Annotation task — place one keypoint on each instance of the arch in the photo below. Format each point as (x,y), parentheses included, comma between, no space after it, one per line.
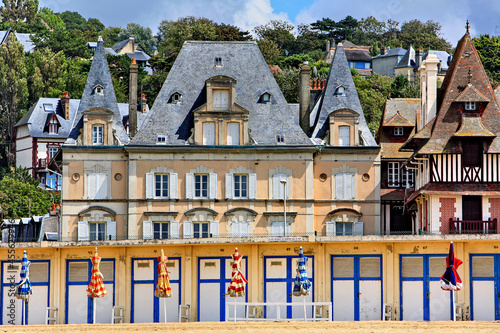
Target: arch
(345,210)
(236,209)
(175,98)
(340,91)
(98,90)
(193,211)
(94,208)
(265,98)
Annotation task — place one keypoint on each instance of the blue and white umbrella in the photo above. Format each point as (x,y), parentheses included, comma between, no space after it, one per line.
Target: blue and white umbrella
(23,289)
(302,285)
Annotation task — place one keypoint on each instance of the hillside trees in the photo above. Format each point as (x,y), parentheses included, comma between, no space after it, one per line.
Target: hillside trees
(489,52)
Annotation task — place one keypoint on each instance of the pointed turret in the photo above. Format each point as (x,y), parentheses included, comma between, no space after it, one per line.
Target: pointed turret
(99,93)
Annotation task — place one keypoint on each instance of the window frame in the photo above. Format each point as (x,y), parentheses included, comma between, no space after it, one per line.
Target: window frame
(53,126)
(94,235)
(240,183)
(470,106)
(164,185)
(393,174)
(198,192)
(344,232)
(280,139)
(407,178)
(218,62)
(200,233)
(343,128)
(52,151)
(161,138)
(164,227)
(398,131)
(97,138)
(345,177)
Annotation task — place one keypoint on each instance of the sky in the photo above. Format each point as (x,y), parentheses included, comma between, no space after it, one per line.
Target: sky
(484,15)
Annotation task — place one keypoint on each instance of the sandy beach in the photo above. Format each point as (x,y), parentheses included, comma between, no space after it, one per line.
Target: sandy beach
(373,326)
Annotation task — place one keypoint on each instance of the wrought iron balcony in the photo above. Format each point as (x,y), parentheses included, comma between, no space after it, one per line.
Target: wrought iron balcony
(473,227)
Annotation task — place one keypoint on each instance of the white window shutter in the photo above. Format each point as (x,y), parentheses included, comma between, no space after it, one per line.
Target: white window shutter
(91,185)
(349,179)
(229,185)
(330,228)
(83,231)
(235,229)
(189,185)
(150,185)
(339,186)
(173,186)
(102,186)
(214,228)
(111,230)
(252,185)
(358,228)
(276,186)
(275,229)
(174,229)
(212,187)
(245,229)
(187,229)
(147,230)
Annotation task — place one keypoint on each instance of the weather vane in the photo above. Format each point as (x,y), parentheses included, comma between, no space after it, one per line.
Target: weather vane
(467,26)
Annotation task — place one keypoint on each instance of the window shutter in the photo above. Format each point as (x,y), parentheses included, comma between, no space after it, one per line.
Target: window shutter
(102,186)
(229,185)
(252,185)
(277,229)
(245,229)
(174,229)
(147,230)
(83,231)
(150,187)
(287,229)
(173,186)
(235,229)
(187,229)
(189,185)
(91,188)
(111,230)
(330,228)
(213,186)
(358,228)
(339,186)
(214,228)
(349,183)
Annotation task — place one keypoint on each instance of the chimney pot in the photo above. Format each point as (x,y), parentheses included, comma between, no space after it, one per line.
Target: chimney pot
(134,61)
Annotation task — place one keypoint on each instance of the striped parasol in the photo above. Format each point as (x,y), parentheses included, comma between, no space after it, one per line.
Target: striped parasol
(24,290)
(301,285)
(237,285)
(96,287)
(450,279)
(163,288)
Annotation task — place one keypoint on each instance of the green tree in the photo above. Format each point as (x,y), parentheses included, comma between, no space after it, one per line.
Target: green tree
(424,35)
(269,50)
(343,29)
(227,32)
(288,81)
(20,198)
(402,88)
(110,35)
(53,20)
(142,35)
(280,33)
(309,42)
(62,40)
(19,10)
(372,93)
(13,91)
(488,49)
(76,76)
(73,20)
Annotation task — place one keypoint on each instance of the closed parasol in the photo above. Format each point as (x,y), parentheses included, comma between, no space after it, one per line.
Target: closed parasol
(96,287)
(23,289)
(302,285)
(451,280)
(163,289)
(237,285)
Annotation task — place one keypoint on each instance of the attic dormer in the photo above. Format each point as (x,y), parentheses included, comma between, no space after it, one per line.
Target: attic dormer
(344,128)
(471,101)
(221,91)
(52,124)
(98,90)
(265,98)
(340,91)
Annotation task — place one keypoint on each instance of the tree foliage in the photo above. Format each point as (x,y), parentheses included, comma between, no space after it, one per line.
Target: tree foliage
(19,10)
(142,35)
(288,81)
(402,88)
(488,49)
(63,40)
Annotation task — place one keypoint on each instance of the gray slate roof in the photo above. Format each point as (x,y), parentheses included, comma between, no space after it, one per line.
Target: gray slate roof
(339,75)
(241,61)
(443,57)
(408,59)
(392,52)
(24,39)
(99,75)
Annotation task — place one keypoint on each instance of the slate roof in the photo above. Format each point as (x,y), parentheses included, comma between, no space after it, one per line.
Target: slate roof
(120,45)
(99,75)
(24,39)
(36,117)
(472,127)
(339,75)
(443,57)
(243,62)
(407,108)
(408,59)
(399,51)
(466,68)
(352,51)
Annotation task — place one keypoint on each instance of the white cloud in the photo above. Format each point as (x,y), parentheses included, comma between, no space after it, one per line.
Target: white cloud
(255,13)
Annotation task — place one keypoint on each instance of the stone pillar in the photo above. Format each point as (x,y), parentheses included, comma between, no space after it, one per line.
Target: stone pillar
(305,96)
(132,99)
(428,86)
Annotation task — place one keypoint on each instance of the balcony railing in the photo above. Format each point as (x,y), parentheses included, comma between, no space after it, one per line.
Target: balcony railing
(473,227)
(42,164)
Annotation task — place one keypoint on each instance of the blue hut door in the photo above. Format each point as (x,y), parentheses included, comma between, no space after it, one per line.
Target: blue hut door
(485,286)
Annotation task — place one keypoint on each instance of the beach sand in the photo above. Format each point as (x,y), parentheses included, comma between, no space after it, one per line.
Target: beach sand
(281,327)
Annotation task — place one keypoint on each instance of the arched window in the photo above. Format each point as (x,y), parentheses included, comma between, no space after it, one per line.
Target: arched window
(53,126)
(340,91)
(99,90)
(265,98)
(175,98)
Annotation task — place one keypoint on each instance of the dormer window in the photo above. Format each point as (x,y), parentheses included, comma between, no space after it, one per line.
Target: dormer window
(161,138)
(220,100)
(265,98)
(218,61)
(97,135)
(99,90)
(175,98)
(53,126)
(280,138)
(470,106)
(398,131)
(48,107)
(340,91)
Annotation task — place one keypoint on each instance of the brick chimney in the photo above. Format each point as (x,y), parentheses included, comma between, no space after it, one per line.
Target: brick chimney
(382,50)
(132,99)
(418,58)
(144,103)
(305,96)
(65,104)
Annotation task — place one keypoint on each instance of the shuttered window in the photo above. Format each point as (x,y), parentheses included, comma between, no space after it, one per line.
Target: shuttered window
(344,183)
(233,134)
(281,184)
(107,269)
(97,185)
(220,100)
(483,266)
(413,266)
(39,272)
(343,267)
(436,266)
(369,267)
(208,134)
(78,272)
(344,136)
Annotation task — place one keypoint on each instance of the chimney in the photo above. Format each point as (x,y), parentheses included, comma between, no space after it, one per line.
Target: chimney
(132,99)
(144,103)
(327,45)
(418,58)
(382,50)
(132,43)
(428,89)
(65,104)
(305,96)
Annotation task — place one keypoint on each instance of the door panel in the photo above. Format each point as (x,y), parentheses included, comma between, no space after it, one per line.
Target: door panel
(370,300)
(439,302)
(143,303)
(343,304)
(484,300)
(414,309)
(210,298)
(77,304)
(485,286)
(276,292)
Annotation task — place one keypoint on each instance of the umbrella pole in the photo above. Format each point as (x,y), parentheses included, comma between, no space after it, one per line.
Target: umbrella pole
(165,308)
(305,313)
(23,318)
(453,305)
(235,309)
(94,309)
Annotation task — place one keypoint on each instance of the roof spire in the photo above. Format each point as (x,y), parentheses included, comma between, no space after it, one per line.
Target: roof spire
(467,27)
